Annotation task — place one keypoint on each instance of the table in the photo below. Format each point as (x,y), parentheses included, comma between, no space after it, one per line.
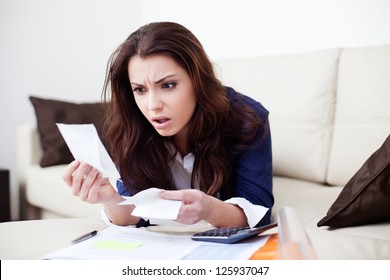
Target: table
(32,239)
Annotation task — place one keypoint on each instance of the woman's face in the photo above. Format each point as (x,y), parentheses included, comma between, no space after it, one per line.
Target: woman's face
(164,93)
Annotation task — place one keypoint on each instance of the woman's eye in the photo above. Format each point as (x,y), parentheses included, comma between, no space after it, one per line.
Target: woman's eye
(169,85)
(138,90)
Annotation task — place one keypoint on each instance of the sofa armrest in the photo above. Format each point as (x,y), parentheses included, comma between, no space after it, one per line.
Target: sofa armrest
(29,149)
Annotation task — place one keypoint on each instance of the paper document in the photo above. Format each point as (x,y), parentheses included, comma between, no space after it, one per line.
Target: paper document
(117,242)
(148,204)
(85,145)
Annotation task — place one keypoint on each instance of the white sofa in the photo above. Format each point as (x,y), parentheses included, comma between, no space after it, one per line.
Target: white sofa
(329,111)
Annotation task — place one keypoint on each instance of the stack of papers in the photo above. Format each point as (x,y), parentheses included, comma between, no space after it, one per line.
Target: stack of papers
(117,243)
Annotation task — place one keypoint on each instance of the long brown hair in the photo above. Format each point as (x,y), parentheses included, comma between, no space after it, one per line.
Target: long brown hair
(215,129)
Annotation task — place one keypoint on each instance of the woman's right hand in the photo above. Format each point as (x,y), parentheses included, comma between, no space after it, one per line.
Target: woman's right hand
(87,183)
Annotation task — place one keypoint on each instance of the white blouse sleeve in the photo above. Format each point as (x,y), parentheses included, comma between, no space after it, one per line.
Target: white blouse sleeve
(254,213)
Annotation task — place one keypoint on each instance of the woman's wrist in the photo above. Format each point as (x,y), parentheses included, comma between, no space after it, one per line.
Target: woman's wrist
(221,214)
(119,214)
(115,200)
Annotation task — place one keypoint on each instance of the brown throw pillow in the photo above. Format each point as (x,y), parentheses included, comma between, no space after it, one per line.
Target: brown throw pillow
(365,199)
(49,112)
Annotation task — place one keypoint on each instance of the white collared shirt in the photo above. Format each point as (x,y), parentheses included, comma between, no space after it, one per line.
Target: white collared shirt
(182,170)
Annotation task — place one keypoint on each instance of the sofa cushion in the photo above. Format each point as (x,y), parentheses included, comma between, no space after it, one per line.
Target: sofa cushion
(366,197)
(49,112)
(299,92)
(369,242)
(310,200)
(46,190)
(362,120)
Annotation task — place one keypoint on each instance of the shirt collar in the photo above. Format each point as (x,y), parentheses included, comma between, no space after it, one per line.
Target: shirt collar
(187,161)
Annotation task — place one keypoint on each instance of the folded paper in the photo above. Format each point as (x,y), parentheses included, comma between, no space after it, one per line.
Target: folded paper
(148,204)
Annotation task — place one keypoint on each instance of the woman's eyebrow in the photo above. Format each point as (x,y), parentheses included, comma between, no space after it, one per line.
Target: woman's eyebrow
(163,79)
(156,82)
(136,84)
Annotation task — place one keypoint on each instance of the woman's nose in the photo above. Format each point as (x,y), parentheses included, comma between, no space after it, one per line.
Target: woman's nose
(154,102)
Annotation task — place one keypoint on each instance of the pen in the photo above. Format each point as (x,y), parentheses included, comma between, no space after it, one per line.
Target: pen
(84,237)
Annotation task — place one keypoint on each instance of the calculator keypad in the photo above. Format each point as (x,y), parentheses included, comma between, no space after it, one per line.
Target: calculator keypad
(221,231)
(230,234)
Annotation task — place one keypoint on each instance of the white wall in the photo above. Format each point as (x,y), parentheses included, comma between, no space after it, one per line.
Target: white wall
(59,48)
(262,27)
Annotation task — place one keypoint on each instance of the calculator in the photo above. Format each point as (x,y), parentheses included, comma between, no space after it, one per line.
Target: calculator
(230,234)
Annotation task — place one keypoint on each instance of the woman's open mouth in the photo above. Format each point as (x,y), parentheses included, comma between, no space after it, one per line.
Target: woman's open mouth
(162,120)
(161,123)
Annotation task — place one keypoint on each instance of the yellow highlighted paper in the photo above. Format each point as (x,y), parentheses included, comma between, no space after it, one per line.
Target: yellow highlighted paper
(116,245)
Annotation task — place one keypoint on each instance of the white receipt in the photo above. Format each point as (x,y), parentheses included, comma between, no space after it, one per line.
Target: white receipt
(85,145)
(148,204)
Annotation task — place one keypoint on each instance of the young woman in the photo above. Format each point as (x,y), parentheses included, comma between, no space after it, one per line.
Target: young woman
(174,126)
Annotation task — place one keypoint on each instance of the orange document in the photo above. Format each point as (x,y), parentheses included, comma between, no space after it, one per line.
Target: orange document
(269,251)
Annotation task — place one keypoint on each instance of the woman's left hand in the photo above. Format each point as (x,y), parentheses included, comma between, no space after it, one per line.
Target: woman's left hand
(195,207)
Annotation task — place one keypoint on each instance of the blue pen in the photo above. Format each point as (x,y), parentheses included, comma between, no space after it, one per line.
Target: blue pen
(84,237)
